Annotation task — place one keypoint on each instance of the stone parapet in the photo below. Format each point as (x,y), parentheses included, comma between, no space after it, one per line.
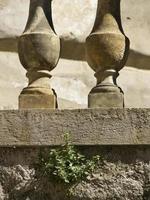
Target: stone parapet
(86,127)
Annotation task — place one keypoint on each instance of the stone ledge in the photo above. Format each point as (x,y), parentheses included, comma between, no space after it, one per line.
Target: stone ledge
(87,127)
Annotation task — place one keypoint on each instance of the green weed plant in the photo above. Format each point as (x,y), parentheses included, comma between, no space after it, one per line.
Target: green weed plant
(66,164)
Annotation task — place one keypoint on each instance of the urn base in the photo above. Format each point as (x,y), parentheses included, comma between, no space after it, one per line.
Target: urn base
(106,96)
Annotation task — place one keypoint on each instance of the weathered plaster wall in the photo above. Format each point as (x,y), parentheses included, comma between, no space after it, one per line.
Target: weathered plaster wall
(73,79)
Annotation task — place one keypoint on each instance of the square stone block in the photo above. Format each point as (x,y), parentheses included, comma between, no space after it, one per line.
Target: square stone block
(106,100)
(37,101)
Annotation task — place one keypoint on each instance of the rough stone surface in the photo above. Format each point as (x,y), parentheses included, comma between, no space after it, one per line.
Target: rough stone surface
(124,175)
(87,127)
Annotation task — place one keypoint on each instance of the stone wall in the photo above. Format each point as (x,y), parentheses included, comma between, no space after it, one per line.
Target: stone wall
(125,175)
(120,137)
(73,78)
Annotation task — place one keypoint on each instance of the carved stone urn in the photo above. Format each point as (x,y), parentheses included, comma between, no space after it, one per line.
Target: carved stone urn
(39,50)
(107,50)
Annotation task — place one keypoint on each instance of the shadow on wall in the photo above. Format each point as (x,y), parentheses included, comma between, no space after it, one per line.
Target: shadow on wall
(75,50)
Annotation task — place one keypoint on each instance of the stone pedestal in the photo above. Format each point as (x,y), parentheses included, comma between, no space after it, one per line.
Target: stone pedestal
(37,100)
(103,97)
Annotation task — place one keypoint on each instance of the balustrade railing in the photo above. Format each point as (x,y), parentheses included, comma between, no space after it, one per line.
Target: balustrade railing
(107,50)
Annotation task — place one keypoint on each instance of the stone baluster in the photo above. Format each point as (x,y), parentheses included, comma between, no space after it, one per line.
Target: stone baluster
(39,49)
(107,50)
